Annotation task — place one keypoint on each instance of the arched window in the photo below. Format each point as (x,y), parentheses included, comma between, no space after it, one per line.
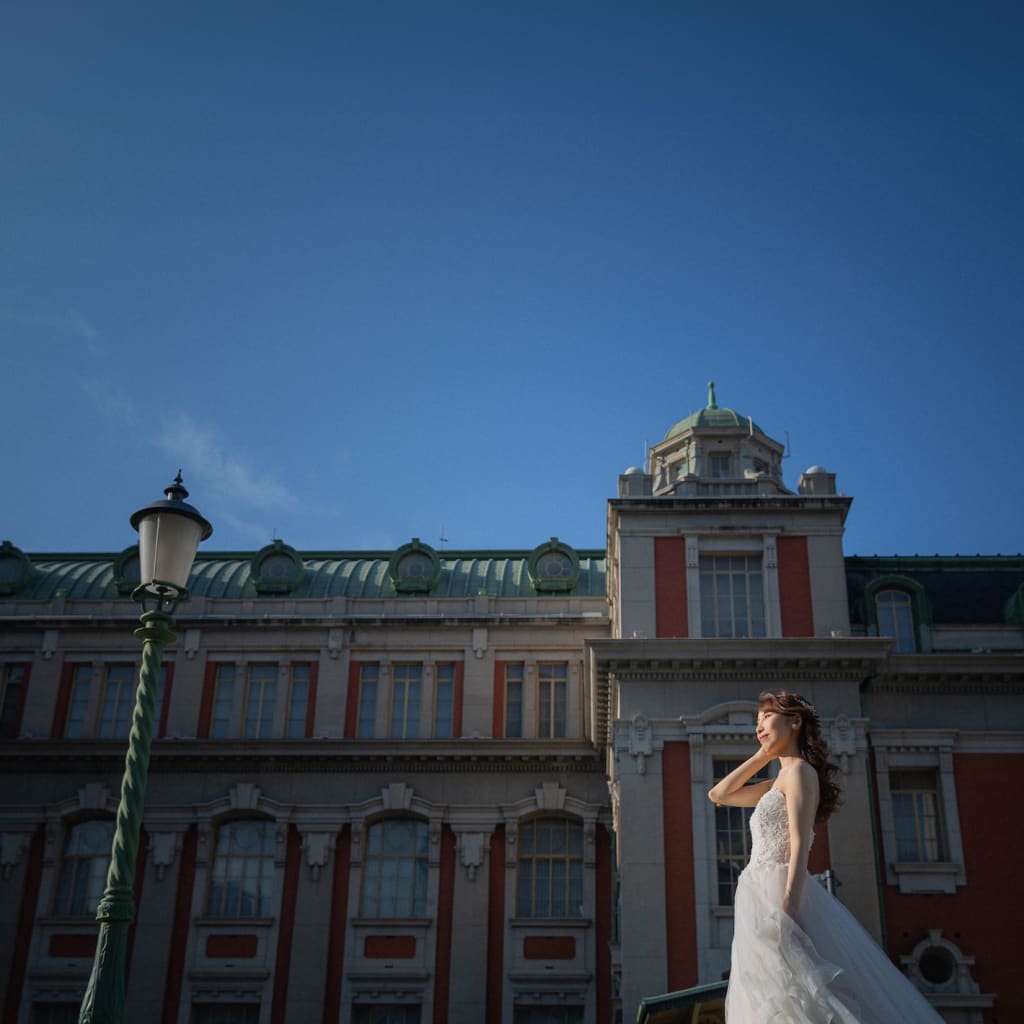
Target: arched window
(895,610)
(83,869)
(242,876)
(395,869)
(550,868)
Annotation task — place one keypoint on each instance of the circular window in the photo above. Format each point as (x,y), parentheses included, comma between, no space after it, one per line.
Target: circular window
(415,568)
(277,569)
(553,567)
(937,965)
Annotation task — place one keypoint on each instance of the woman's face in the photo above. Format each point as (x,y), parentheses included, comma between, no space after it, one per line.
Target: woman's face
(775,730)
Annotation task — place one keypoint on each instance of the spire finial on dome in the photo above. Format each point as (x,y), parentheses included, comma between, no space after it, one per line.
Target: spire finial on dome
(712,404)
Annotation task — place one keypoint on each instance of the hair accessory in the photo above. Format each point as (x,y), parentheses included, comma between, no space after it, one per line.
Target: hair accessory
(805,704)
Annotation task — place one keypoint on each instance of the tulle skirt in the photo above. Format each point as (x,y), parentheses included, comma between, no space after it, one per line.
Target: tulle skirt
(825,969)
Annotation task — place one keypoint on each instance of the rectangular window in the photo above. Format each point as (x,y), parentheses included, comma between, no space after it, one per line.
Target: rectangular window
(119,694)
(78,703)
(369,673)
(549,866)
(514,699)
(920,836)
(260,697)
(298,700)
(551,687)
(896,618)
(731,596)
(405,700)
(223,699)
(12,682)
(444,700)
(732,836)
(118,701)
(718,465)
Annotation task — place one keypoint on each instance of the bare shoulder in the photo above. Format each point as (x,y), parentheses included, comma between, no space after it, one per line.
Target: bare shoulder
(798,779)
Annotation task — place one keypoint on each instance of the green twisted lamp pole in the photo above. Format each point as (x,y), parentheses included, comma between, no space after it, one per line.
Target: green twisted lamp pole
(169,535)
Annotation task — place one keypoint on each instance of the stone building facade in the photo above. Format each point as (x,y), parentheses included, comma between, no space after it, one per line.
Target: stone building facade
(426,786)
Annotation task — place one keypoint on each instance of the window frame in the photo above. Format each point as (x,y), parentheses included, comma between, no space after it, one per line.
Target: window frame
(920,606)
(265,875)
(903,626)
(261,676)
(366,709)
(415,900)
(514,676)
(547,705)
(13,708)
(66,903)
(930,751)
(569,857)
(444,667)
(117,697)
(708,570)
(304,722)
(407,679)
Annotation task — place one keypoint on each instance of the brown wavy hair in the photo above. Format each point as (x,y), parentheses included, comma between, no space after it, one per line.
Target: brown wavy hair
(813,748)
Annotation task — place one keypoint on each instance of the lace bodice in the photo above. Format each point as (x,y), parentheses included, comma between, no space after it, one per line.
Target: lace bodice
(769,830)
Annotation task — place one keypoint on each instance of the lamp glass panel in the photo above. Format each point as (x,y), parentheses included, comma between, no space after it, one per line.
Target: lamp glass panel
(168,543)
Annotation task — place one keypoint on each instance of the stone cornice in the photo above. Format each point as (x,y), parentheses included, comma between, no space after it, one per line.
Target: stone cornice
(306,756)
(764,661)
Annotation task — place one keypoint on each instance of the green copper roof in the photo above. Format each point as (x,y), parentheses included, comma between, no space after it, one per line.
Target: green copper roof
(711,416)
(327,574)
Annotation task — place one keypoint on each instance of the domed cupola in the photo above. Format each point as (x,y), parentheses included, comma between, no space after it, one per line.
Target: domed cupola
(716,451)
(712,416)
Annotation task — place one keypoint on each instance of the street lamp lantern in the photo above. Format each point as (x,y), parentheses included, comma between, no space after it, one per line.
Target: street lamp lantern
(169,535)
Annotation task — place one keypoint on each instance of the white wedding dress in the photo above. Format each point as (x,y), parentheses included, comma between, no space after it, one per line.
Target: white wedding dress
(823,968)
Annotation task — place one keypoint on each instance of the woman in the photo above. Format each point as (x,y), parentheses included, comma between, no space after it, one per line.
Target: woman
(798,956)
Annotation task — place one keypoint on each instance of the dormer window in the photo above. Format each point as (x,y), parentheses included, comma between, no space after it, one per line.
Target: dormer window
(896,618)
(897,606)
(415,568)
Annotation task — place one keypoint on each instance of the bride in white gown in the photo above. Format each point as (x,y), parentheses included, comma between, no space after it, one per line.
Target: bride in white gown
(798,956)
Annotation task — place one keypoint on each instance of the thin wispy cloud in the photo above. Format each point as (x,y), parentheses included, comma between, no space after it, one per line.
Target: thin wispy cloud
(228,483)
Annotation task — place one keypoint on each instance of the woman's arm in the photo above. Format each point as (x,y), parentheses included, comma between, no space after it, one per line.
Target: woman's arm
(733,790)
(799,785)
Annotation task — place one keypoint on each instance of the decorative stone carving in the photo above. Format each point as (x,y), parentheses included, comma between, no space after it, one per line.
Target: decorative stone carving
(245,796)
(641,741)
(318,847)
(396,796)
(191,644)
(692,553)
(471,852)
(550,796)
(479,643)
(842,741)
(12,845)
(937,966)
(49,644)
(335,642)
(163,847)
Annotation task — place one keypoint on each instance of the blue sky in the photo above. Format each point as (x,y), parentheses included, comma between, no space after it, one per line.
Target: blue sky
(373,271)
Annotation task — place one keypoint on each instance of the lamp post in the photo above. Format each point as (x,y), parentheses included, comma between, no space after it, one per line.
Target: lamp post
(169,536)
